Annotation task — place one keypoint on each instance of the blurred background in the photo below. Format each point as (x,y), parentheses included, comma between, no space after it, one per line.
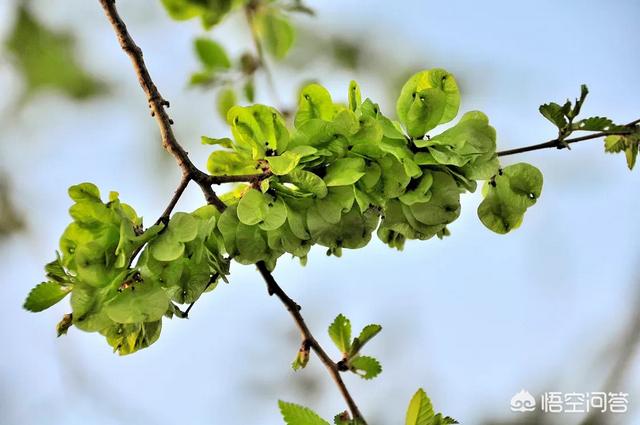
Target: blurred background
(473,319)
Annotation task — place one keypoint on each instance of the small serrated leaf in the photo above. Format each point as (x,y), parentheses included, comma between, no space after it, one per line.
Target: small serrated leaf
(367,333)
(45,295)
(614,144)
(420,411)
(340,333)
(294,414)
(594,124)
(443,420)
(366,367)
(554,113)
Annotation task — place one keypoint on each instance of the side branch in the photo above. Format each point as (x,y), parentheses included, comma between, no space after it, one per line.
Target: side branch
(294,309)
(157,103)
(560,144)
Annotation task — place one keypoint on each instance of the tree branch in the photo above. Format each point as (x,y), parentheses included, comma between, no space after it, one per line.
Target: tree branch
(164,218)
(249,178)
(294,309)
(157,103)
(560,144)
(191,172)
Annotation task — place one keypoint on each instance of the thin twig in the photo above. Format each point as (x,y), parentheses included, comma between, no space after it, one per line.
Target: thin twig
(191,172)
(249,178)
(184,182)
(294,309)
(212,279)
(560,144)
(157,103)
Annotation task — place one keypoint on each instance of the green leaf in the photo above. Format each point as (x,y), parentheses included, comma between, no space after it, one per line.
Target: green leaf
(365,367)
(498,216)
(56,272)
(508,195)
(225,142)
(45,295)
(283,164)
(427,99)
(315,103)
(355,98)
(439,419)
(85,192)
(340,333)
(524,184)
(225,163)
(226,100)
(614,144)
(210,11)
(627,144)
(183,227)
(594,124)
(444,205)
(295,414)
(367,333)
(275,213)
(129,338)
(202,78)
(344,171)
(554,113)
(252,208)
(47,59)
(631,154)
(258,130)
(308,182)
(142,302)
(165,248)
(420,411)
(584,91)
(276,31)
(183,9)
(211,54)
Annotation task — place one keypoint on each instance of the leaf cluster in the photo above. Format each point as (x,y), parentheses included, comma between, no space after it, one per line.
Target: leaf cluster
(110,295)
(346,170)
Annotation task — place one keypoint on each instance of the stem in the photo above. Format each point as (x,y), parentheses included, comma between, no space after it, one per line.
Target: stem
(294,309)
(184,182)
(157,103)
(213,278)
(191,172)
(560,144)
